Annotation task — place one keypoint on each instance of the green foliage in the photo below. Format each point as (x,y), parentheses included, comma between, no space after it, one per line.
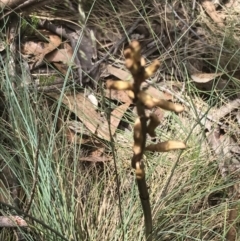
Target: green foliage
(29,27)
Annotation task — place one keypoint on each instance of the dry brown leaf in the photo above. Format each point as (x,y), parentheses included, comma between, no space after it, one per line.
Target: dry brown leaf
(204,77)
(121,96)
(96,155)
(224,110)
(40,49)
(61,67)
(63,54)
(210,8)
(98,151)
(85,111)
(33,48)
(68,133)
(224,146)
(158,93)
(10,3)
(119,73)
(94,159)
(234,4)
(73,128)
(116,116)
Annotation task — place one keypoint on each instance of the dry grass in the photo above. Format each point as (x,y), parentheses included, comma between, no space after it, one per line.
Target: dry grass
(189,197)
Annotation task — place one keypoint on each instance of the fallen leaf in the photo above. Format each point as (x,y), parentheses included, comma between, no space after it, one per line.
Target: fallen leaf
(98,150)
(53,40)
(121,96)
(10,3)
(75,127)
(204,77)
(116,116)
(63,68)
(158,93)
(233,4)
(224,145)
(224,110)
(63,54)
(210,8)
(94,159)
(85,111)
(96,153)
(40,49)
(33,48)
(119,73)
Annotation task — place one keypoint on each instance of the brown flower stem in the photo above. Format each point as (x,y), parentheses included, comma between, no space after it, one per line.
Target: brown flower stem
(144,197)
(137,160)
(141,182)
(135,64)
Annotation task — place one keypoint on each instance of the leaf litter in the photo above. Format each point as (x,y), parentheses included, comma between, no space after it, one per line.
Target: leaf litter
(193,43)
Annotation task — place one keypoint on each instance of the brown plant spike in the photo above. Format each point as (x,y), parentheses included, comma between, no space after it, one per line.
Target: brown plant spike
(135,64)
